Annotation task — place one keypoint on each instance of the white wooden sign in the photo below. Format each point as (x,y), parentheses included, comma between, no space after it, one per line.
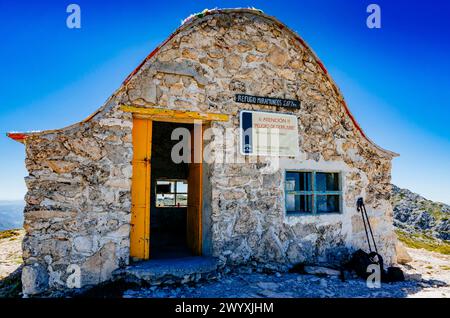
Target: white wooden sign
(269,134)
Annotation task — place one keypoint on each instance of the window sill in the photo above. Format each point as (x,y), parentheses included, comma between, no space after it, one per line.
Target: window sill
(171,207)
(312,214)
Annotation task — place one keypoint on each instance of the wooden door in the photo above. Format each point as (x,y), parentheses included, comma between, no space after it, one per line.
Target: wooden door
(140,189)
(194,210)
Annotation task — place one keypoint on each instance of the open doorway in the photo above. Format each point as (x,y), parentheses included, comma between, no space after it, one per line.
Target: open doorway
(169,195)
(166,216)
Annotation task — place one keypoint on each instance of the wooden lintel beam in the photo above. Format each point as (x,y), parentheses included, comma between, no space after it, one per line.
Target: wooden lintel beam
(170,114)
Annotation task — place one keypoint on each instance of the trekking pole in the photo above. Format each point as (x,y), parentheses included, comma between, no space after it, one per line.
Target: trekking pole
(360,206)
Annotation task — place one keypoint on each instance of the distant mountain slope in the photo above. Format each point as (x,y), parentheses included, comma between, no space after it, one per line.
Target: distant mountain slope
(11,214)
(421,222)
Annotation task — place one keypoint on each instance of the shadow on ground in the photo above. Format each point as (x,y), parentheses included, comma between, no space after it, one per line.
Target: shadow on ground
(11,285)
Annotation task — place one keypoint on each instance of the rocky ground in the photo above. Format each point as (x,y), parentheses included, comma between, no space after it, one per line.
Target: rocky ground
(10,262)
(10,251)
(428,276)
(429,266)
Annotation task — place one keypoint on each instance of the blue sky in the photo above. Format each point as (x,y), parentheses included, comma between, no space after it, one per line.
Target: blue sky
(396,79)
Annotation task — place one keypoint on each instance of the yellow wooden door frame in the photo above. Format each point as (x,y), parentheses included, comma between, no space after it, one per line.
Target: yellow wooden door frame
(195,193)
(140,189)
(140,185)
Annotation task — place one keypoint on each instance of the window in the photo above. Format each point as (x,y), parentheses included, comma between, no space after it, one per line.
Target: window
(171,193)
(311,192)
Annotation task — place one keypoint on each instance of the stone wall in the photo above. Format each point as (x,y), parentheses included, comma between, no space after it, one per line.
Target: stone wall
(78,203)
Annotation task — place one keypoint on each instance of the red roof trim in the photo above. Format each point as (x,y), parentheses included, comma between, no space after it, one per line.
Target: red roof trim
(347,110)
(149,57)
(20,137)
(322,66)
(301,41)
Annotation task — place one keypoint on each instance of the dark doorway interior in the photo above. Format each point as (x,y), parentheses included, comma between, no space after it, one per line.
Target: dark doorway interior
(168,209)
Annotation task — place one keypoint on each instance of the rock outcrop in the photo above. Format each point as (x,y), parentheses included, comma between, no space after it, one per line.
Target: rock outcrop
(415,214)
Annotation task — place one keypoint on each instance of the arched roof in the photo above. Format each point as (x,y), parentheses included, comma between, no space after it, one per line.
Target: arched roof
(189,22)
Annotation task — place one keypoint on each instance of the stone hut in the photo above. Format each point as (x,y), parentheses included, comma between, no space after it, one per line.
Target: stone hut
(105,193)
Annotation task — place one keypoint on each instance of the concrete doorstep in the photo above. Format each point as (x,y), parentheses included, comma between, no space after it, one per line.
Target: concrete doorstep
(169,271)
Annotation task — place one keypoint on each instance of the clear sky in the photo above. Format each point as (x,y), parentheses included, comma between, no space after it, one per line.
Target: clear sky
(396,79)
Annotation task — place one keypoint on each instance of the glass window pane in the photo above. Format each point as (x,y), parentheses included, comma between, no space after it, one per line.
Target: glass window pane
(305,181)
(290,203)
(182,187)
(299,203)
(298,181)
(290,185)
(291,181)
(163,186)
(181,200)
(305,203)
(327,181)
(327,203)
(163,200)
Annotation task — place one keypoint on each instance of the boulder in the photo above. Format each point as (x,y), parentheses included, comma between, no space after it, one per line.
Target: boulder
(320,270)
(34,279)
(402,254)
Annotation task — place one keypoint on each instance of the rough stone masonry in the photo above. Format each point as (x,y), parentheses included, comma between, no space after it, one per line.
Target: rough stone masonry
(78,203)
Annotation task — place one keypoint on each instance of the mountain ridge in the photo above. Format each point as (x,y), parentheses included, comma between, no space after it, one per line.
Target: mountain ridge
(11,214)
(415,214)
